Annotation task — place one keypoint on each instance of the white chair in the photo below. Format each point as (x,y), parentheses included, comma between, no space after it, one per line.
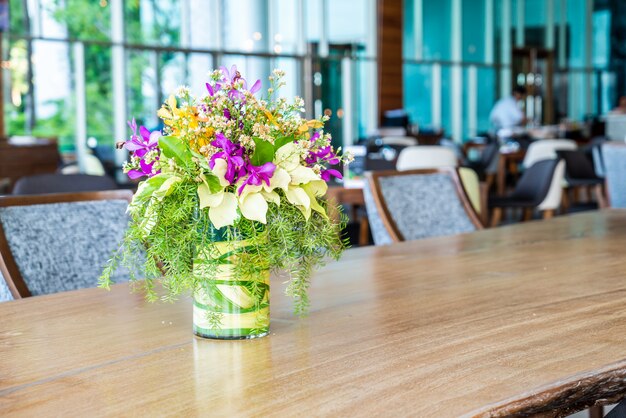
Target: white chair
(406,141)
(555,193)
(390,131)
(545,149)
(426,156)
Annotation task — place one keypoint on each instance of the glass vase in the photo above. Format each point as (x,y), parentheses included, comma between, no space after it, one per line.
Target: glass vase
(232,302)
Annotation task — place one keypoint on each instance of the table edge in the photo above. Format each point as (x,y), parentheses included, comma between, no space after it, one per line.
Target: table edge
(604,386)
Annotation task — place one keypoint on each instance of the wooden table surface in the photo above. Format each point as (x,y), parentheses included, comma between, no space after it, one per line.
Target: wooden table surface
(512,320)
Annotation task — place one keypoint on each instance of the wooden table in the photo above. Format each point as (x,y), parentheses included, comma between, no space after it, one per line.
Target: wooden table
(353,197)
(522,319)
(507,163)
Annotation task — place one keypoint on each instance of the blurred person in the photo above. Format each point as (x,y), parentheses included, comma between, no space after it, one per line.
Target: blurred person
(506,113)
(621,107)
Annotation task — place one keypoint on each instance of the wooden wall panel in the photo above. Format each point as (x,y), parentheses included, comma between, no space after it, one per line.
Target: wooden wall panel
(390,81)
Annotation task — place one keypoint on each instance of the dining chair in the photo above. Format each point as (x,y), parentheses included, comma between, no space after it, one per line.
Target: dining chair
(434,157)
(415,204)
(580,174)
(426,157)
(614,156)
(59,242)
(534,190)
(406,141)
(62,183)
(545,149)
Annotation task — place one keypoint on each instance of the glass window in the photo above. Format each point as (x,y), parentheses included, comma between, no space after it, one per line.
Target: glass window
(142,91)
(246,26)
(53,98)
(446,99)
(576,10)
(417,93)
(153,22)
(437,32)
(204,24)
(98,94)
(473,17)
(284,30)
(486,97)
(198,67)
(601,38)
(85,20)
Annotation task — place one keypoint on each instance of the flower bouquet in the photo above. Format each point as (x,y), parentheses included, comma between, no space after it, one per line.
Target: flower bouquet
(233,188)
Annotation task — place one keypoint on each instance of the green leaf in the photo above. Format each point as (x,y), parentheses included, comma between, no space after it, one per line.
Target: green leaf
(282,141)
(172,147)
(202,161)
(263,152)
(146,189)
(213,182)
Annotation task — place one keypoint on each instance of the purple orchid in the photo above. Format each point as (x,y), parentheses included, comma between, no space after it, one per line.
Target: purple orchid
(324,155)
(232,76)
(145,170)
(327,173)
(227,113)
(257,175)
(213,89)
(140,145)
(232,154)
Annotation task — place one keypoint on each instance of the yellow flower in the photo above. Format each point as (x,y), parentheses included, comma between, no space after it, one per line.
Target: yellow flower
(311,124)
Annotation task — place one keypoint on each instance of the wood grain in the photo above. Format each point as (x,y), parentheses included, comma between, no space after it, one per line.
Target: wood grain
(512,321)
(390,81)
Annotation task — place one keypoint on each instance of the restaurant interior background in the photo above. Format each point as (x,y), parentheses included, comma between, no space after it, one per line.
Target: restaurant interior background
(77,70)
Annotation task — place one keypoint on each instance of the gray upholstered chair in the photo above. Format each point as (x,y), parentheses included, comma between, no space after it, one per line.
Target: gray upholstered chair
(614,157)
(59,242)
(415,204)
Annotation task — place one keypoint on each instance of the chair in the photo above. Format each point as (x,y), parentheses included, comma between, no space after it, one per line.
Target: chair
(406,141)
(535,189)
(59,242)
(614,156)
(417,204)
(61,183)
(426,156)
(434,156)
(545,149)
(476,191)
(580,174)
(91,165)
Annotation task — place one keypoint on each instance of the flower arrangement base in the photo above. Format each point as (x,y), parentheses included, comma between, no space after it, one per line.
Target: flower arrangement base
(227,308)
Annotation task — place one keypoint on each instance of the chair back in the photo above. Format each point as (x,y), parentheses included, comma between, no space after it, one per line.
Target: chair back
(546,149)
(552,200)
(59,242)
(426,157)
(406,141)
(417,204)
(536,181)
(471,185)
(578,165)
(62,183)
(614,156)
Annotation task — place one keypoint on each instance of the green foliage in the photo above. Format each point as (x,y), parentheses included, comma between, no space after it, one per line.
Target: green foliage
(175,149)
(263,152)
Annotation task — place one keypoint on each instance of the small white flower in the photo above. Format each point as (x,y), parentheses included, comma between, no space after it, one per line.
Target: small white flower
(182,91)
